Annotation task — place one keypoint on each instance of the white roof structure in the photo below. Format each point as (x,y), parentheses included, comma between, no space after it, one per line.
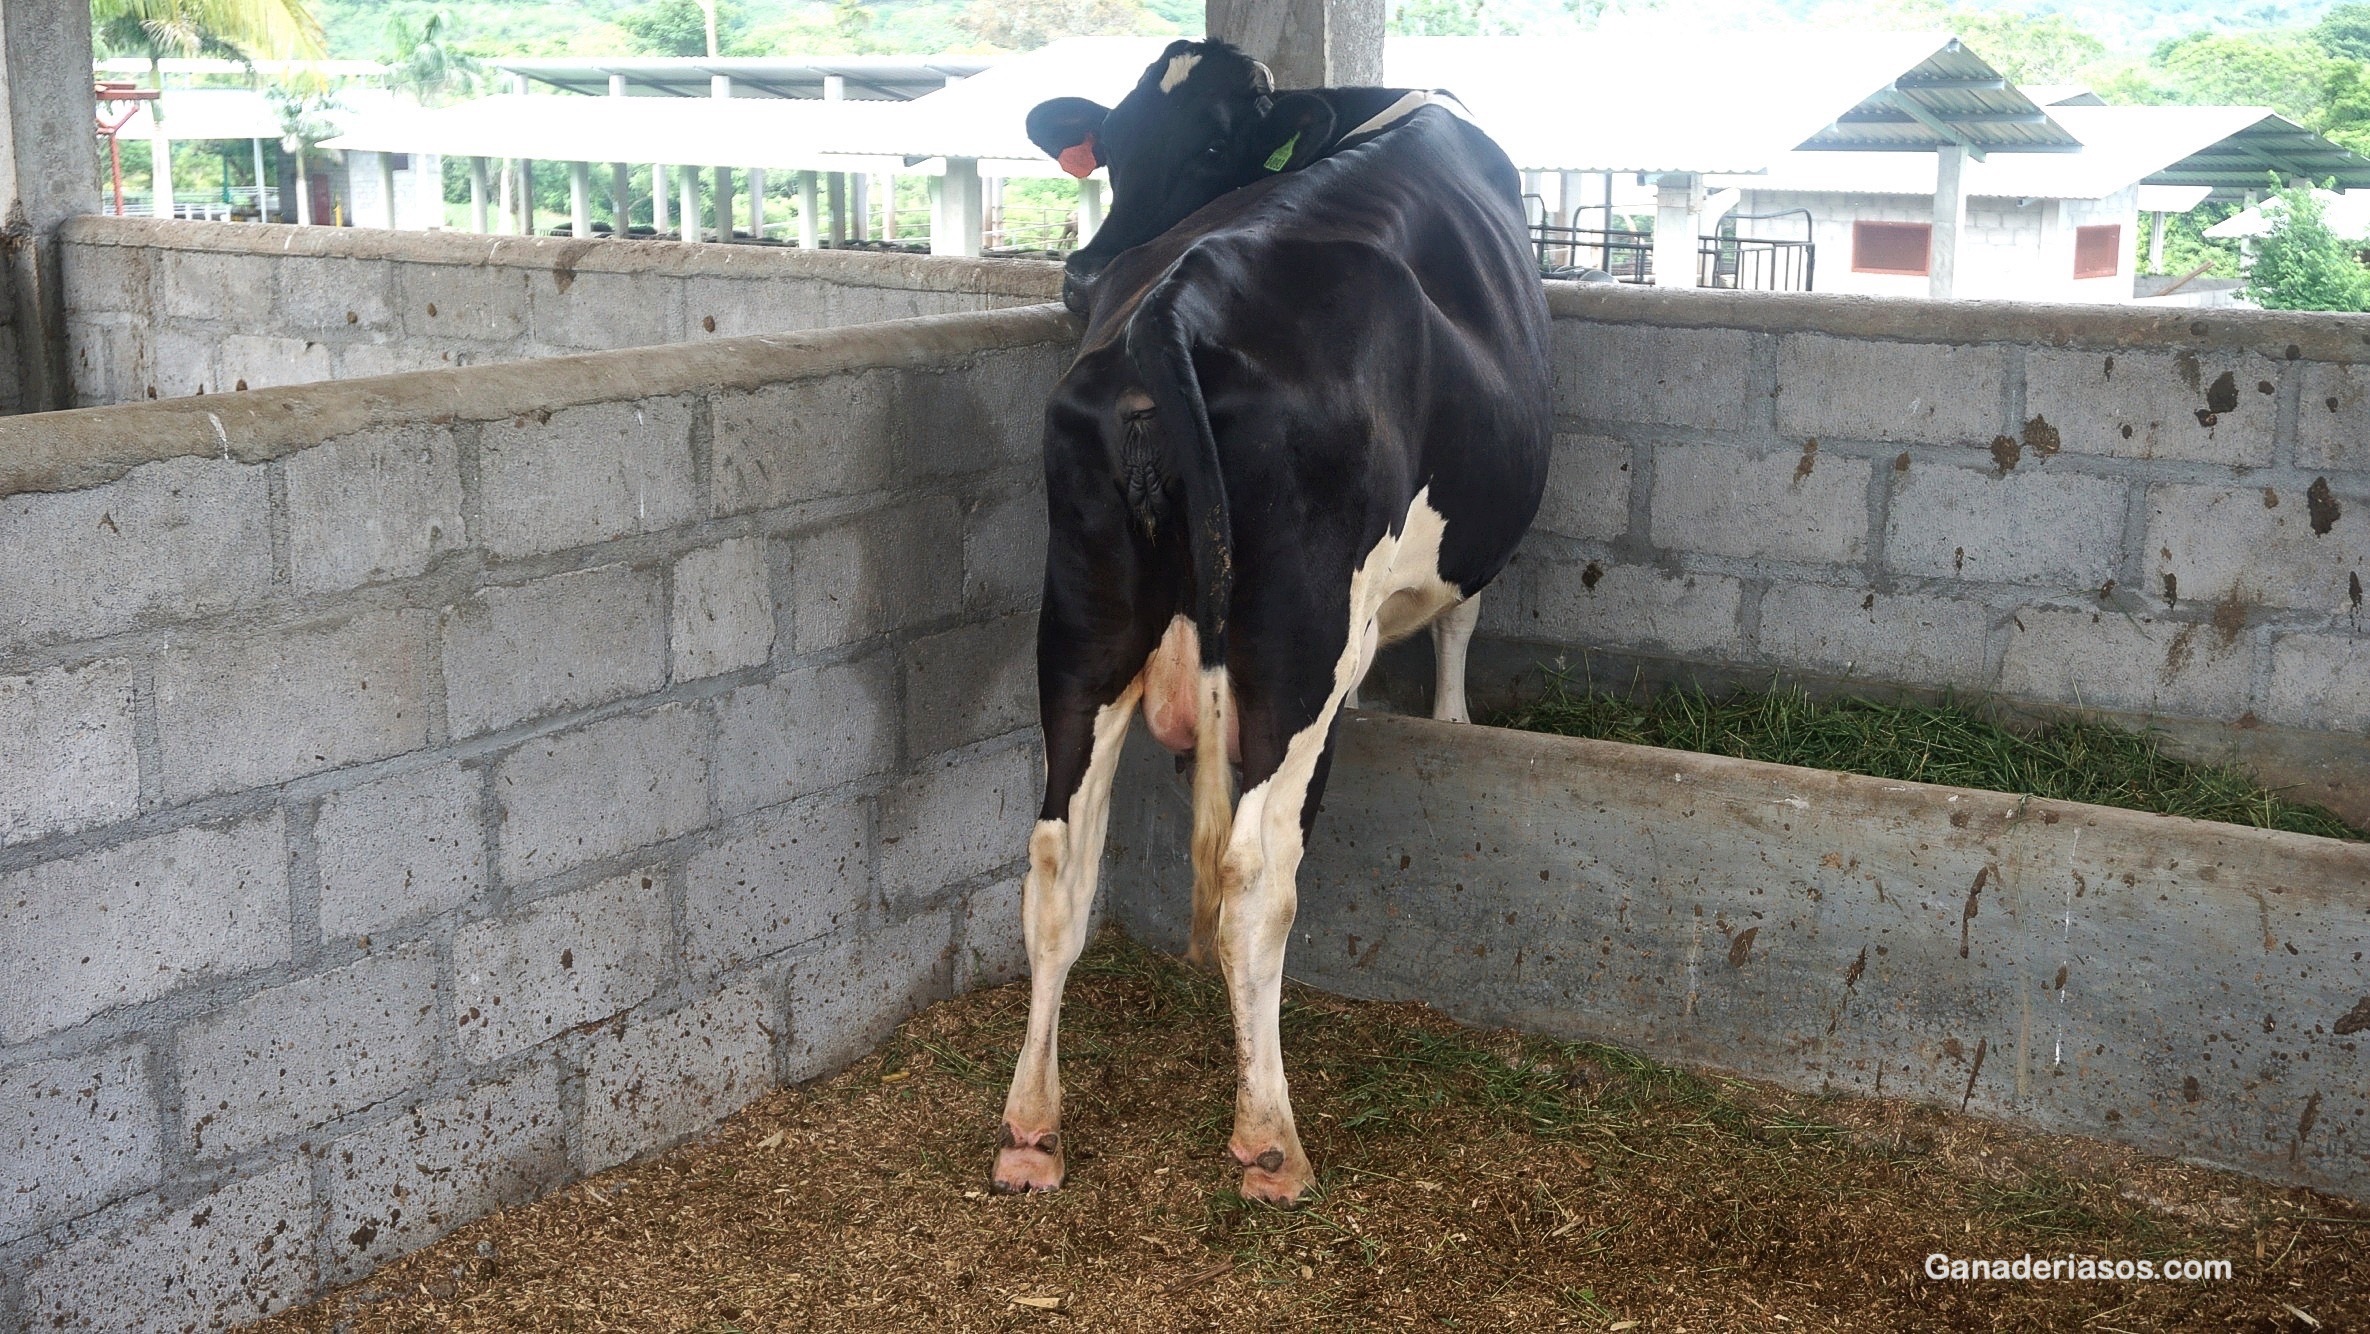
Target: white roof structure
(243,113)
(2348,215)
(740,132)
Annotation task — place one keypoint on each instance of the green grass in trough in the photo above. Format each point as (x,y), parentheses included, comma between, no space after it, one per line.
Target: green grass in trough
(1929,743)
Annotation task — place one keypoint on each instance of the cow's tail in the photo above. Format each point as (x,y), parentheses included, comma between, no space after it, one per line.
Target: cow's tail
(1160,347)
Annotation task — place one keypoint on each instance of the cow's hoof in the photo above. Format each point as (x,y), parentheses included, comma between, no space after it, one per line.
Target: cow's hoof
(1027,1161)
(1274,1176)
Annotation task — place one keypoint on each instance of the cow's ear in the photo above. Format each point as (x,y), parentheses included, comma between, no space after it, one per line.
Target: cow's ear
(1296,131)
(1070,129)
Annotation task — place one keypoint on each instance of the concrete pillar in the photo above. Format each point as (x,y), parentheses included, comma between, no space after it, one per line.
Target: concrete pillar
(687,199)
(160,167)
(427,181)
(723,193)
(1567,199)
(579,199)
(617,85)
(658,199)
(386,166)
(860,206)
(1678,201)
(261,184)
(955,215)
(835,87)
(1090,209)
(477,195)
(621,200)
(888,208)
(809,235)
(2156,243)
(526,196)
(756,203)
(509,215)
(839,208)
(1950,220)
(1308,43)
(49,171)
(304,190)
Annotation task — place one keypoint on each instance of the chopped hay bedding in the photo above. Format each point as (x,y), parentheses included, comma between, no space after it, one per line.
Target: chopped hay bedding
(1469,1180)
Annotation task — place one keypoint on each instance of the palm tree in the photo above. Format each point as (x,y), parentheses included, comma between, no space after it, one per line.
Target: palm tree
(246,30)
(421,61)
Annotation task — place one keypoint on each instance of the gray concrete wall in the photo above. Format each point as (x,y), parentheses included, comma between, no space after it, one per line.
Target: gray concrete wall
(167,309)
(425,790)
(2162,515)
(2189,988)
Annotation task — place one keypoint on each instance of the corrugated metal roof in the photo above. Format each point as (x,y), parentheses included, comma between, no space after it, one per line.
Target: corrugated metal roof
(866,78)
(700,132)
(2348,215)
(1952,96)
(2246,157)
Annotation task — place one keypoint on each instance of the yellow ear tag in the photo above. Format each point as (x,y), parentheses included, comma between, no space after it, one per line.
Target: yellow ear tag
(1277,159)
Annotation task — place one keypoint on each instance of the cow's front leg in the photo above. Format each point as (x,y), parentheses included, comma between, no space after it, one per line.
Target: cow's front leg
(1065,856)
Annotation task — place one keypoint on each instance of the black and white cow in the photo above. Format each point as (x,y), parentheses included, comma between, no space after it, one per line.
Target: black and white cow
(1310,414)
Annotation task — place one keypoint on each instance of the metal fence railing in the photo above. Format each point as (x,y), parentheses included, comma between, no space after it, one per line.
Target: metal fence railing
(1758,264)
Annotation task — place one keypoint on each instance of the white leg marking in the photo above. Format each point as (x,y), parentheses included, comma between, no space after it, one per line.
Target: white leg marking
(1451,634)
(1179,68)
(1065,861)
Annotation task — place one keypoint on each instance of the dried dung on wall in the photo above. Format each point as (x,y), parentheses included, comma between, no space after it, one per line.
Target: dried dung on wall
(1469,1179)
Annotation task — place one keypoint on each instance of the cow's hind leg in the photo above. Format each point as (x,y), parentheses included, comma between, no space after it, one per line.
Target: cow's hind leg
(1451,634)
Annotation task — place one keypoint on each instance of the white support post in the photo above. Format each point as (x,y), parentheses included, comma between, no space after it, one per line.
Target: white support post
(2156,243)
(756,203)
(617,85)
(839,208)
(160,166)
(687,203)
(860,206)
(1567,199)
(526,196)
(835,87)
(659,223)
(723,193)
(1950,220)
(427,180)
(477,195)
(387,190)
(1678,200)
(1090,209)
(809,235)
(579,199)
(263,186)
(888,208)
(955,217)
(509,216)
(621,200)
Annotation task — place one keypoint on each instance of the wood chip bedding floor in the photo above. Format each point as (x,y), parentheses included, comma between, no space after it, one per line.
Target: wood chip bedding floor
(1469,1180)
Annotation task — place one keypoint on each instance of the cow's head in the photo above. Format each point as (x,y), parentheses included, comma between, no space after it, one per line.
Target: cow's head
(1204,119)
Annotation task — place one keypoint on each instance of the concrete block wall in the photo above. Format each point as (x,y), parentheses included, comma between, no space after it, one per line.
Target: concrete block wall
(2162,515)
(168,309)
(421,793)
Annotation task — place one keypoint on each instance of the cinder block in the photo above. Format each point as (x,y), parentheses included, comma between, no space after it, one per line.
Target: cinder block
(877,572)
(1588,483)
(182,538)
(1634,606)
(2320,681)
(399,1186)
(181,364)
(265,361)
(71,761)
(1782,505)
(357,361)
(590,311)
(844,1000)
(665,1077)
(2333,418)
(108,279)
(334,295)
(378,505)
(2109,660)
(1004,551)
(2256,546)
(1851,389)
(2205,407)
(224,1259)
(803,440)
(339,694)
(723,614)
(2031,526)
(234,290)
(107,362)
(959,818)
(1639,373)
(799,873)
(1876,636)
(739,306)
(994,951)
(75,1134)
(296,1057)
(805,731)
(988,413)
(560,962)
(476,303)
(585,474)
(399,850)
(601,790)
(129,924)
(970,684)
(563,642)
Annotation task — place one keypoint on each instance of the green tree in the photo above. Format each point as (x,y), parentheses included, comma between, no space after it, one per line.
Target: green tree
(1025,25)
(1436,18)
(422,62)
(242,29)
(680,28)
(2345,105)
(2283,71)
(2300,264)
(2048,49)
(2344,32)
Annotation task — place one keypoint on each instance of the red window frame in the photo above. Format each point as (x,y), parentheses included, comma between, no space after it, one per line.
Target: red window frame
(2098,251)
(1884,247)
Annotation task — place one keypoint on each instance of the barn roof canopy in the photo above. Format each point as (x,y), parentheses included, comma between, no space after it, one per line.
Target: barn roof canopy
(864,78)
